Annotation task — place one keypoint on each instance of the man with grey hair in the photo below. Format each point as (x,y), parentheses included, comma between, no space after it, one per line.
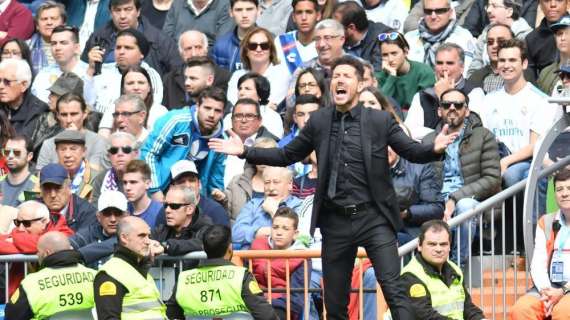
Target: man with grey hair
(16,101)
(123,287)
(49,15)
(191,44)
(185,225)
(122,148)
(422,116)
(438,26)
(254,219)
(129,116)
(329,41)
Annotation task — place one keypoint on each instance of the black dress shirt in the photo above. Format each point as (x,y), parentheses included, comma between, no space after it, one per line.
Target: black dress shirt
(352,184)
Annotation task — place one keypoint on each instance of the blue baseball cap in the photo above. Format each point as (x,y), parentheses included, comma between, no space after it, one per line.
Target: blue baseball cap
(564,22)
(53,173)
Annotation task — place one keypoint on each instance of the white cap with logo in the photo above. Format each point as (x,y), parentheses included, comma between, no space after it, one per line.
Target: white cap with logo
(112,199)
(182,166)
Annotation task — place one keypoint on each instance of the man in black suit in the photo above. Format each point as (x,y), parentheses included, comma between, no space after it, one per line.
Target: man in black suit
(355,204)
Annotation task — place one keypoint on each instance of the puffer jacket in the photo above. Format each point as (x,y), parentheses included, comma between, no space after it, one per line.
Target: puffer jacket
(226,51)
(548,78)
(479,154)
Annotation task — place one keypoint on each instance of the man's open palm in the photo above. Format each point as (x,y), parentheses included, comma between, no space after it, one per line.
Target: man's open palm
(232,146)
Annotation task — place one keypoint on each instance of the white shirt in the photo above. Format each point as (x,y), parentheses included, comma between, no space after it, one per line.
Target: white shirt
(4,5)
(48,75)
(88,25)
(307,53)
(512,117)
(235,165)
(107,86)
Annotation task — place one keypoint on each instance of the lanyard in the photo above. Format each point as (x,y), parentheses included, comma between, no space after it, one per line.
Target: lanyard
(563,237)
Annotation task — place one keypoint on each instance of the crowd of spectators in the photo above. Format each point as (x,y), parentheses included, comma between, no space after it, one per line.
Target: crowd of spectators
(115,101)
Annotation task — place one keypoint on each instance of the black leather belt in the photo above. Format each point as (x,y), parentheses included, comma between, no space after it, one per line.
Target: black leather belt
(350,210)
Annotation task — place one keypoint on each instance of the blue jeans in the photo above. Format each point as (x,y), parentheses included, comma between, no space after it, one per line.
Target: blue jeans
(519,171)
(465,239)
(369,282)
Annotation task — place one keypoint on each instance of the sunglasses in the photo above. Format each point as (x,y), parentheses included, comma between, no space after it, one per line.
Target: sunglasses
(564,75)
(491,41)
(437,11)
(14,152)
(175,206)
(7,82)
(26,223)
(254,45)
(125,113)
(458,105)
(388,36)
(125,150)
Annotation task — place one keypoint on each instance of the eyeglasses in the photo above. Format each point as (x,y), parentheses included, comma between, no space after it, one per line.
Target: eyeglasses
(388,36)
(437,11)
(499,41)
(7,82)
(246,116)
(307,85)
(125,150)
(564,75)
(458,105)
(15,152)
(493,6)
(325,38)
(125,113)
(175,206)
(254,45)
(26,223)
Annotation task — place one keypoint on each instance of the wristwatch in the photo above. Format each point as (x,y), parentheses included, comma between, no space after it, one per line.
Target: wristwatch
(566,288)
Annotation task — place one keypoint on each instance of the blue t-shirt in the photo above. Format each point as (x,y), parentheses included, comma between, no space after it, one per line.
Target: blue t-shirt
(153,215)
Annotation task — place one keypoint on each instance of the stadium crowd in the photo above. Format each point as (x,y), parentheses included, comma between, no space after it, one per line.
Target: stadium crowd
(108,109)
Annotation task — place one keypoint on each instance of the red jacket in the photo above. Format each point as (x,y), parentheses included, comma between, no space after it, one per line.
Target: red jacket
(23,242)
(278,274)
(17,21)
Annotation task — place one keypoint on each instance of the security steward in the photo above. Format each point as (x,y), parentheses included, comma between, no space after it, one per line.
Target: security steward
(63,286)
(218,288)
(434,284)
(124,289)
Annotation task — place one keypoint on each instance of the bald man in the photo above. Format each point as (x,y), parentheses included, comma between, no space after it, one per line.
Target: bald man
(191,43)
(63,286)
(254,219)
(124,289)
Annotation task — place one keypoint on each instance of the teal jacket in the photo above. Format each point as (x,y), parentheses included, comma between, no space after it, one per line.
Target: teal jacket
(176,136)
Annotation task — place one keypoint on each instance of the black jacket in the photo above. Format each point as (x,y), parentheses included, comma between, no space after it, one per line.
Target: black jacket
(94,245)
(189,239)
(26,119)
(477,18)
(258,306)
(378,131)
(163,54)
(20,309)
(175,96)
(422,305)
(369,48)
(82,215)
(541,48)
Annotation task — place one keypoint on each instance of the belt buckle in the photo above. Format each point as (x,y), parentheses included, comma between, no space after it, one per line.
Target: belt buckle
(351,210)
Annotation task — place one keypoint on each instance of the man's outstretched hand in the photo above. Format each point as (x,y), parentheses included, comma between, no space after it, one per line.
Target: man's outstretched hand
(232,146)
(443,139)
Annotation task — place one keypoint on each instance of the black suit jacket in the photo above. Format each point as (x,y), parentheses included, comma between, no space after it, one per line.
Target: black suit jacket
(378,131)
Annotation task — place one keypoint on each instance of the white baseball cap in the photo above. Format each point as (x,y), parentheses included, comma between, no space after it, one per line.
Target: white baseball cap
(112,199)
(183,166)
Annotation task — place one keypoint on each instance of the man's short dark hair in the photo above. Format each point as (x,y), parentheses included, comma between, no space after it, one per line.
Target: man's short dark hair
(74,32)
(465,96)
(213,93)
(315,2)
(286,212)
(433,225)
(514,43)
(70,97)
(233,2)
(26,139)
(516,6)
(115,3)
(248,101)
(139,166)
(562,175)
(449,46)
(216,240)
(498,24)
(306,99)
(352,12)
(351,61)
(204,62)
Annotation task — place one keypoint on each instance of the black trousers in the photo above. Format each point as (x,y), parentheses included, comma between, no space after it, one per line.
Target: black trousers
(342,235)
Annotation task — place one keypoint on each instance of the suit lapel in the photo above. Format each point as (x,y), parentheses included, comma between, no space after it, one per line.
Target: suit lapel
(366,137)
